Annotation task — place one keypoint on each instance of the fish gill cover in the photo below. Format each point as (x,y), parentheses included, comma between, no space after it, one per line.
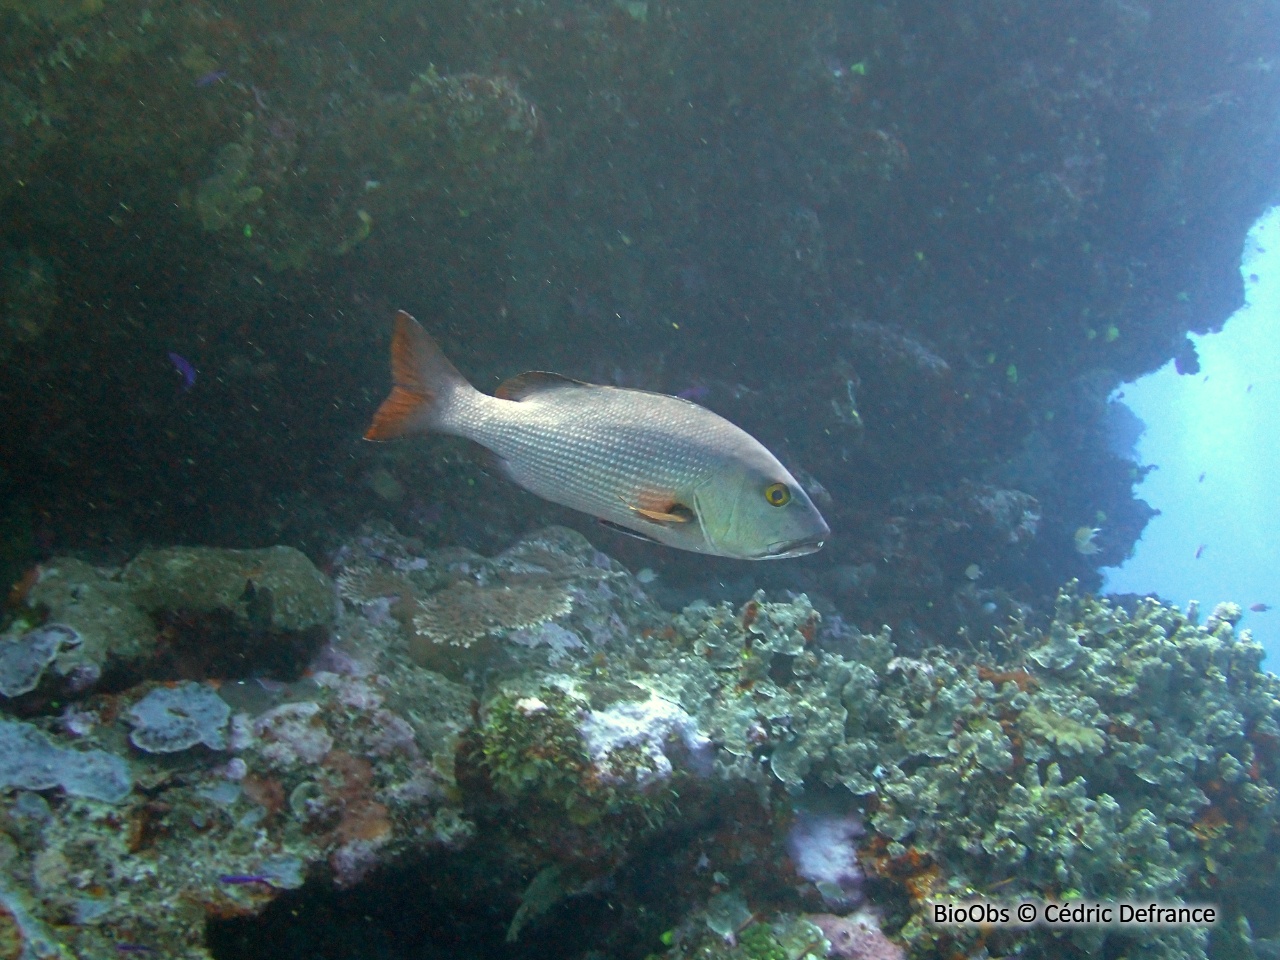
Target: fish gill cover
(911,247)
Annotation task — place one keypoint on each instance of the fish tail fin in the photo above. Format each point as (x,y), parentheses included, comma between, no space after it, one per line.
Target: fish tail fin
(424,385)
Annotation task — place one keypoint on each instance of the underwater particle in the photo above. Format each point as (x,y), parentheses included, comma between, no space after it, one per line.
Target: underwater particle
(1112,334)
(973,571)
(1084,540)
(170,719)
(22,660)
(31,761)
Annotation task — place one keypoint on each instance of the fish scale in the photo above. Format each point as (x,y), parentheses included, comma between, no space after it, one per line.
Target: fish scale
(660,467)
(612,455)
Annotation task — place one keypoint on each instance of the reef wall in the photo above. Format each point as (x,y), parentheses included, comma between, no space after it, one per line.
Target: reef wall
(912,248)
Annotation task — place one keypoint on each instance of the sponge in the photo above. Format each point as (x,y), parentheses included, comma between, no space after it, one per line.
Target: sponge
(31,761)
(169,719)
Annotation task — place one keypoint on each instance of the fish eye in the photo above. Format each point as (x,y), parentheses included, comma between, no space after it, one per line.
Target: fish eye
(777,494)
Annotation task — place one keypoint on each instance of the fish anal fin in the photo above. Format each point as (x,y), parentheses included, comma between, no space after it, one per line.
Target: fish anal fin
(524,385)
(398,414)
(619,528)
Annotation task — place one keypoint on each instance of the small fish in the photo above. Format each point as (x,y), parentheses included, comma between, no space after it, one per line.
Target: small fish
(651,465)
(242,879)
(210,78)
(184,367)
(1200,550)
(1260,607)
(1084,540)
(1201,479)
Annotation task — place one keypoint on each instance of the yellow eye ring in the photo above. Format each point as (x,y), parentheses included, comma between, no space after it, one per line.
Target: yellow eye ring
(777,494)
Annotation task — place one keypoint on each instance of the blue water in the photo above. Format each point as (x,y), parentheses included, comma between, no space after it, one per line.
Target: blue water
(1215,438)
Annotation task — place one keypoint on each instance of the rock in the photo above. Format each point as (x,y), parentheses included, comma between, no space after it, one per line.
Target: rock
(276,588)
(111,627)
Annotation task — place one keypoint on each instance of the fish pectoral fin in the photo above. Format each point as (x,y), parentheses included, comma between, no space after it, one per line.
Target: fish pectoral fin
(619,528)
(670,512)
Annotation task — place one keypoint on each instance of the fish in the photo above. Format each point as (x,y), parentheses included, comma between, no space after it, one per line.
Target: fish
(1084,541)
(1260,607)
(647,464)
(184,367)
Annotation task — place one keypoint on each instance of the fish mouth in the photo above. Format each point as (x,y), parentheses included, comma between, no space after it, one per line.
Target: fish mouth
(792,548)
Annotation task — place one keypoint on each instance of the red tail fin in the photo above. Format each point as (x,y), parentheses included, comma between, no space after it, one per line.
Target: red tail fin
(419,373)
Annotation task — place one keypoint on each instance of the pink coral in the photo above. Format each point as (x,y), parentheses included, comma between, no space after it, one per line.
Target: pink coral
(856,937)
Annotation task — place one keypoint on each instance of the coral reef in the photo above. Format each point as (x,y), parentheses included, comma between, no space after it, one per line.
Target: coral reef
(182,612)
(798,764)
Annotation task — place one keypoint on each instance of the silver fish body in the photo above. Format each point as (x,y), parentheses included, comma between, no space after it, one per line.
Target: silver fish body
(657,466)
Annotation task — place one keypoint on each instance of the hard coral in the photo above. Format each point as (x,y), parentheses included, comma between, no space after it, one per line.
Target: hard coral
(448,624)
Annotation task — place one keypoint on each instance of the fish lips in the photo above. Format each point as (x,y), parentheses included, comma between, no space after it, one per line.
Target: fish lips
(784,549)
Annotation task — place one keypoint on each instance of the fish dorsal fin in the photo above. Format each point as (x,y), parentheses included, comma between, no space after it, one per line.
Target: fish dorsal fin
(525,385)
